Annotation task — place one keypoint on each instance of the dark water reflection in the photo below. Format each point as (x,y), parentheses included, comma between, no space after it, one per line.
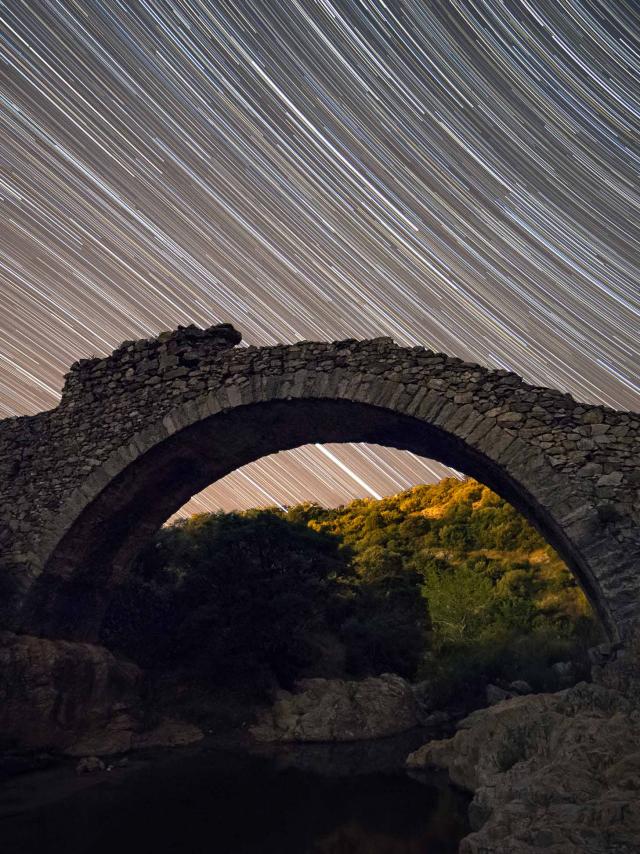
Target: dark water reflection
(302,801)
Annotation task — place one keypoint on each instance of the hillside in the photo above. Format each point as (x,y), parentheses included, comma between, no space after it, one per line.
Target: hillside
(501,602)
(453,526)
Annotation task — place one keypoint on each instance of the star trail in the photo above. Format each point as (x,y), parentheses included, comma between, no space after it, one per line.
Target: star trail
(462,175)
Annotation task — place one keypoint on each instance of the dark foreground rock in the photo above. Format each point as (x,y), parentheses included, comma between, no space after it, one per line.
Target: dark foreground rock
(52,692)
(90,765)
(123,734)
(339,710)
(558,773)
(77,699)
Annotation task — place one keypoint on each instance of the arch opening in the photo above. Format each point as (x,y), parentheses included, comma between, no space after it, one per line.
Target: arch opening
(94,552)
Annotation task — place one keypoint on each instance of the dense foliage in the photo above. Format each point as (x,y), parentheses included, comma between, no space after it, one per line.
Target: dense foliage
(236,595)
(445,581)
(502,604)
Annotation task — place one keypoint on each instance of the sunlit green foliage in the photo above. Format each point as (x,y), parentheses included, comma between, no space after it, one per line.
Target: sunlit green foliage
(501,602)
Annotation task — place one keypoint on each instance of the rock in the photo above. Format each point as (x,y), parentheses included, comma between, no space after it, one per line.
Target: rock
(554,772)
(89,765)
(339,710)
(169,733)
(603,653)
(101,744)
(115,737)
(495,694)
(56,692)
(565,673)
(622,670)
(612,479)
(519,686)
(436,719)
(425,701)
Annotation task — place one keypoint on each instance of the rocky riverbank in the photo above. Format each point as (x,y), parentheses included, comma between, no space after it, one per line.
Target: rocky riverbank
(558,773)
(553,772)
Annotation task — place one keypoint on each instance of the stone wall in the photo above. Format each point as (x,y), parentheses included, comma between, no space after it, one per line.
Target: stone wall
(137,433)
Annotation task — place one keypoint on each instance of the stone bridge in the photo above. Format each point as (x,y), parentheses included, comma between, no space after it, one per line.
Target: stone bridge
(84,486)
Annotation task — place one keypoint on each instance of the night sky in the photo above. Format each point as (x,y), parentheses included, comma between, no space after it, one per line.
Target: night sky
(462,175)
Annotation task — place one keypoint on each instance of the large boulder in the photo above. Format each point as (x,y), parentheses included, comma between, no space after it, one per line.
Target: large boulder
(558,773)
(494,694)
(339,710)
(53,693)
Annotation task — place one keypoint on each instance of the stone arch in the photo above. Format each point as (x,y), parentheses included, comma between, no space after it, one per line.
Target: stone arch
(251,402)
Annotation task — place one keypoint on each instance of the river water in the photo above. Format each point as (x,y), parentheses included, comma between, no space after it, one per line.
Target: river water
(321,799)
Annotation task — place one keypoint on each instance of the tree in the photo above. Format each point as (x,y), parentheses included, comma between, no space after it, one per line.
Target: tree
(459,601)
